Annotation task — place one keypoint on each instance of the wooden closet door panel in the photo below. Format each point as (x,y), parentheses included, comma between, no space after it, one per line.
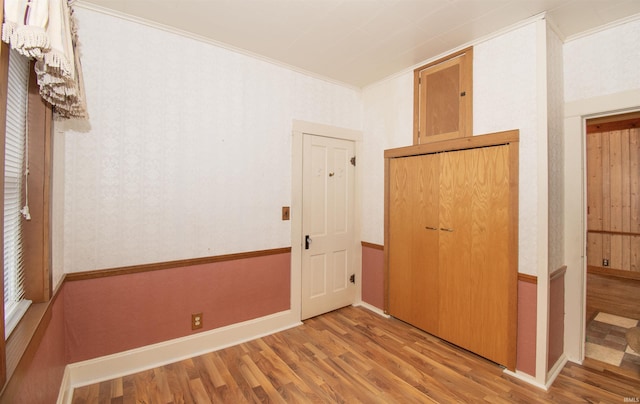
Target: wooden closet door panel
(455,246)
(491,277)
(401,173)
(425,291)
(413,257)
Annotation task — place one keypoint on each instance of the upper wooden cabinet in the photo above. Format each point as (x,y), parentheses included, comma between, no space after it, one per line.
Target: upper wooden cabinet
(443,98)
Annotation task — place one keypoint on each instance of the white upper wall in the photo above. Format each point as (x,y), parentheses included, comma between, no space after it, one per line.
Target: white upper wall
(555,125)
(189,150)
(388,123)
(603,63)
(505,97)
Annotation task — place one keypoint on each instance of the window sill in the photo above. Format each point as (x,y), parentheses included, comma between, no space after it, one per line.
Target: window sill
(25,338)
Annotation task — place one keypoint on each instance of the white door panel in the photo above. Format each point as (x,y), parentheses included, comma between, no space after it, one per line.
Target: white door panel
(328,220)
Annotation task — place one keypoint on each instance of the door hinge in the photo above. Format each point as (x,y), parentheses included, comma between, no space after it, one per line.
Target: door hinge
(352,278)
(353,161)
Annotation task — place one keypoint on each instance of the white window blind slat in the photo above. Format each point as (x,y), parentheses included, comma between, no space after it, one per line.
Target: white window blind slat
(17,89)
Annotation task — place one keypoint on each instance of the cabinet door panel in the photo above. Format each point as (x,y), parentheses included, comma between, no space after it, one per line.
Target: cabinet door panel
(442,105)
(413,254)
(455,246)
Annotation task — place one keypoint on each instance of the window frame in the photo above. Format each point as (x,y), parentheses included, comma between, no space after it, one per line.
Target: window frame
(37,232)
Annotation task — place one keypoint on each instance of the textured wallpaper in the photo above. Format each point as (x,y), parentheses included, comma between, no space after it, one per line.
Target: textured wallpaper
(388,123)
(603,63)
(188,153)
(556,144)
(505,98)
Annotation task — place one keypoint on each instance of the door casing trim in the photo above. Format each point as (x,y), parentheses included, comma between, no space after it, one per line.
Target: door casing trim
(575,207)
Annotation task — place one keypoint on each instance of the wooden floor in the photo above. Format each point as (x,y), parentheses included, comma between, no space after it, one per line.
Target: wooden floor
(612,295)
(348,356)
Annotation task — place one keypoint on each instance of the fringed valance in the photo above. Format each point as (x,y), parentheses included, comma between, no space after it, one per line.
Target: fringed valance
(46,31)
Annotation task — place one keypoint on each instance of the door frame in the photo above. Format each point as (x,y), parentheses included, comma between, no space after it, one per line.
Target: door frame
(301,128)
(575,220)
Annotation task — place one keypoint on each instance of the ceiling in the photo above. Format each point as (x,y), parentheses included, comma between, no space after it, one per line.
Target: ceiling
(358,42)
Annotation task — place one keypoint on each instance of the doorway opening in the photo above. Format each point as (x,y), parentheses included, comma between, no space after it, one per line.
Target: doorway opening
(612,315)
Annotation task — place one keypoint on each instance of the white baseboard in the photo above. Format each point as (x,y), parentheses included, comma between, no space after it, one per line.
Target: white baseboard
(555,370)
(551,375)
(371,308)
(148,357)
(526,378)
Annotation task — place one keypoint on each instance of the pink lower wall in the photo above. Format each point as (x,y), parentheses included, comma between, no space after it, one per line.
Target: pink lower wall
(108,315)
(556,320)
(373,275)
(527,327)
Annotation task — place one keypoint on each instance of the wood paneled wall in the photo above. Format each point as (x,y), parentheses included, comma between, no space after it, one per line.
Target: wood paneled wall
(613,195)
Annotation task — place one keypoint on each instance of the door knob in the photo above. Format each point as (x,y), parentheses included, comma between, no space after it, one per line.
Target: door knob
(307,241)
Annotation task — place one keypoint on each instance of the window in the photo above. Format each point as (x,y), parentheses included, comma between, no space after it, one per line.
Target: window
(36,233)
(14,190)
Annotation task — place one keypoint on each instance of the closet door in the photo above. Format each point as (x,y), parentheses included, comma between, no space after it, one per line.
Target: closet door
(476,276)
(413,240)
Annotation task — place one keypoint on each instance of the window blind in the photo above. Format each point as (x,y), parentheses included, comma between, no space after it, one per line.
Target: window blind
(15,144)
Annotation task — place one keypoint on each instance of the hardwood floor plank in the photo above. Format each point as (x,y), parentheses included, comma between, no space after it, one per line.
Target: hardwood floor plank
(231,357)
(86,394)
(199,393)
(207,366)
(178,383)
(230,392)
(349,356)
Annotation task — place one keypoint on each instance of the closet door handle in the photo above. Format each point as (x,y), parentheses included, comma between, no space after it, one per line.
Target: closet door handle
(445,229)
(430,228)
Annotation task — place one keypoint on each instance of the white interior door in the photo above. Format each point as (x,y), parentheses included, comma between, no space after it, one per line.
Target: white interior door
(328,193)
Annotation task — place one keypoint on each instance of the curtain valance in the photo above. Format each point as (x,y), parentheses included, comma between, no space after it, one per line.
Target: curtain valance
(46,31)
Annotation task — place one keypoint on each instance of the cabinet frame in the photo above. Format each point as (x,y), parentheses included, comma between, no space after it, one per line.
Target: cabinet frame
(463,58)
(510,138)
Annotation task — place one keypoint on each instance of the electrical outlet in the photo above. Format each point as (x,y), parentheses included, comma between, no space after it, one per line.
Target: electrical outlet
(196,321)
(605,262)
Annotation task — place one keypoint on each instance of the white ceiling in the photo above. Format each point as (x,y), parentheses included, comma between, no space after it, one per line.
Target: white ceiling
(358,42)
